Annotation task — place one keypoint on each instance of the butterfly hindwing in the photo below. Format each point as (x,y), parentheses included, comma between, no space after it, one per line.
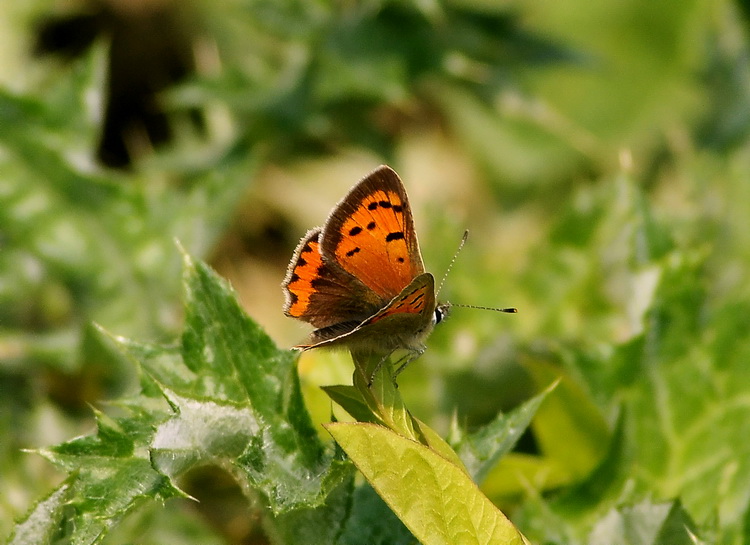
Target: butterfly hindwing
(417,300)
(322,294)
(403,323)
(370,234)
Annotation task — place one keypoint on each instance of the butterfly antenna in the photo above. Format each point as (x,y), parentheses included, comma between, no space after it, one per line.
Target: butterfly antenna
(453,260)
(509,310)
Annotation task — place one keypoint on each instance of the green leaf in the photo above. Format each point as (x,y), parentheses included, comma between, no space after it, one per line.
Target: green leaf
(481,450)
(440,446)
(324,522)
(107,486)
(372,522)
(351,401)
(201,432)
(601,486)
(43,522)
(569,426)
(229,354)
(99,243)
(433,497)
(381,403)
(255,414)
(373,379)
(646,523)
(226,396)
(687,413)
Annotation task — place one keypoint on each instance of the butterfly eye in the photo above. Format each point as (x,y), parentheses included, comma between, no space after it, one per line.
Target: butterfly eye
(438,315)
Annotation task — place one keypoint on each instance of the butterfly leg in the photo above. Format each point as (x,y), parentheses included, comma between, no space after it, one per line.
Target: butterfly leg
(406,360)
(377,368)
(401,364)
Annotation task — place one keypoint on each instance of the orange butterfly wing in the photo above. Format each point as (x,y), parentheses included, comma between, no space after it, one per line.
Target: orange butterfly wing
(303,269)
(370,234)
(322,294)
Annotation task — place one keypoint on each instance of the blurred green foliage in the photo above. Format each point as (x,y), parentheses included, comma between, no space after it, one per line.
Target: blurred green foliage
(603,152)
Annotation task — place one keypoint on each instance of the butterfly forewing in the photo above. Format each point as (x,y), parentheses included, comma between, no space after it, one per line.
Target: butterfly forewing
(370,235)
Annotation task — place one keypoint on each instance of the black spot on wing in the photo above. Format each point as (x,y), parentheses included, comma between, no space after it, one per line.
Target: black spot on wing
(353,251)
(397,235)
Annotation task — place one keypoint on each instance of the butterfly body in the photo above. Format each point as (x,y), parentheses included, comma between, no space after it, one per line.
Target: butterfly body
(360,279)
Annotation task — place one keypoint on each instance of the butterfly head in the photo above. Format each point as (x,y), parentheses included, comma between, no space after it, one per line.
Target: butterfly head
(441,312)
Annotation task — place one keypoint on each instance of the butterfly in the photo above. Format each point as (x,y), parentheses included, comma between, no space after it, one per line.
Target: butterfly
(360,280)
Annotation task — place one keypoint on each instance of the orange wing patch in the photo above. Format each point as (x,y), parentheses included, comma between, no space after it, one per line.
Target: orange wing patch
(373,243)
(299,280)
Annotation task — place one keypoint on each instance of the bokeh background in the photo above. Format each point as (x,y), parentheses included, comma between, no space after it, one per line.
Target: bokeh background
(599,154)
